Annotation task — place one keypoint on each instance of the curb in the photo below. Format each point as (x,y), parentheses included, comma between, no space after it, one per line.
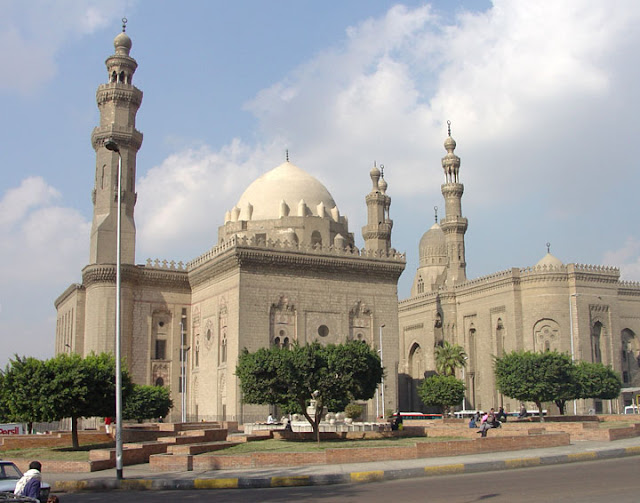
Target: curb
(364,477)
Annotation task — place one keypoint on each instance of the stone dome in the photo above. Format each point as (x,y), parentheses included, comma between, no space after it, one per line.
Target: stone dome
(549,260)
(432,245)
(122,43)
(281,192)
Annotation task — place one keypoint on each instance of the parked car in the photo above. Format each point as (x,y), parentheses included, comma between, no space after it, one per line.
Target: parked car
(14,498)
(631,409)
(9,476)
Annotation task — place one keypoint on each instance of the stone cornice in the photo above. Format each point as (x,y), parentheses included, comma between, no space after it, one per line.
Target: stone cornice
(73,288)
(120,93)
(215,266)
(243,257)
(126,137)
(135,275)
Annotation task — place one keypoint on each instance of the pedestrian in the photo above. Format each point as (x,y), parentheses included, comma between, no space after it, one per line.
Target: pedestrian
(108,421)
(396,422)
(29,484)
(523,412)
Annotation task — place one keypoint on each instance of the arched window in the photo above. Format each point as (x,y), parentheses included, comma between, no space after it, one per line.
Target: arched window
(500,337)
(223,348)
(159,381)
(420,285)
(630,362)
(417,364)
(316,239)
(546,335)
(596,350)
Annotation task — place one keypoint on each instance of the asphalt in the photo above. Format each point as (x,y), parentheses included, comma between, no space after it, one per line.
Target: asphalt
(140,477)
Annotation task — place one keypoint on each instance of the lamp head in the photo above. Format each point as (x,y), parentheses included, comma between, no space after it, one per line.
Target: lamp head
(111,145)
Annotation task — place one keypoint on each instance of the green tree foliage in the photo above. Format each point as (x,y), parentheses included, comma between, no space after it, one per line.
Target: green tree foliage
(333,375)
(21,394)
(449,357)
(441,391)
(82,387)
(146,402)
(534,377)
(595,380)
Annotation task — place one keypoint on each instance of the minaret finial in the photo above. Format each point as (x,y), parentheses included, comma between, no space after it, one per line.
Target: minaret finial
(449,127)
(382,171)
(548,247)
(287,157)
(435,209)
(124,24)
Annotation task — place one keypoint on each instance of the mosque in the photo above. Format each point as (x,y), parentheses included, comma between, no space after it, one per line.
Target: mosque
(285,269)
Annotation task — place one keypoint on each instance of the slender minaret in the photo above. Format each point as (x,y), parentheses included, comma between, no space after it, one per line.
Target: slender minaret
(377,232)
(118,102)
(454,225)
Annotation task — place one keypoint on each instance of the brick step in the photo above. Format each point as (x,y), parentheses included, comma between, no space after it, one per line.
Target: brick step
(199,448)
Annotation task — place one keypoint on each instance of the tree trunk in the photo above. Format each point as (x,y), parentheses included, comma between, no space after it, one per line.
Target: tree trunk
(74,433)
(539,405)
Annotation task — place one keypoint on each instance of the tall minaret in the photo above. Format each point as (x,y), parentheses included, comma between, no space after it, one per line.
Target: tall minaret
(377,232)
(118,102)
(454,225)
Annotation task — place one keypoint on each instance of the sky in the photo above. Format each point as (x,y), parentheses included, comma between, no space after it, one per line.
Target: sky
(542,98)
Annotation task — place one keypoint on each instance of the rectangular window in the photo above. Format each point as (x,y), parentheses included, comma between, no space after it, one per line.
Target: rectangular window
(161,349)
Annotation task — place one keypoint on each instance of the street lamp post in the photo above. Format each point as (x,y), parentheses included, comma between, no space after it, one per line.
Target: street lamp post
(382,365)
(183,367)
(573,355)
(113,147)
(464,381)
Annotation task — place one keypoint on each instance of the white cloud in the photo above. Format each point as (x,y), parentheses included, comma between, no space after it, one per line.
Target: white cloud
(183,201)
(33,191)
(33,32)
(531,90)
(627,258)
(43,249)
(42,243)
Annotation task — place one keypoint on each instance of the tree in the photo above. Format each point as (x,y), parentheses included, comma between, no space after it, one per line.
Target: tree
(441,391)
(21,395)
(535,377)
(332,375)
(82,387)
(595,380)
(145,402)
(449,357)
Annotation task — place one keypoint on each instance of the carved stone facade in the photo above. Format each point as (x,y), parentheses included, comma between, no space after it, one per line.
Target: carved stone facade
(284,269)
(584,311)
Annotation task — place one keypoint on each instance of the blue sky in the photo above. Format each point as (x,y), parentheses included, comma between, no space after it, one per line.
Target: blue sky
(542,97)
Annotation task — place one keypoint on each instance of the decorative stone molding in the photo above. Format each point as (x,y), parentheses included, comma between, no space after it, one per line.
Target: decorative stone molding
(72,289)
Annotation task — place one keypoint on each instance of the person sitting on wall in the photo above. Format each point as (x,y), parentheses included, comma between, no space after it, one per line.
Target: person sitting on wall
(270,420)
(523,412)
(396,422)
(501,415)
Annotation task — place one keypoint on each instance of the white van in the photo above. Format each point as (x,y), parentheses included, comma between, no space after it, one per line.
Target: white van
(631,409)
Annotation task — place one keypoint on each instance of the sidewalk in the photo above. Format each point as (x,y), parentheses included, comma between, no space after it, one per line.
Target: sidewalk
(141,477)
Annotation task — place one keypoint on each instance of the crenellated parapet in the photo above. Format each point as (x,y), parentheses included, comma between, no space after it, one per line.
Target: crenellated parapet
(165,264)
(242,252)
(286,246)
(135,275)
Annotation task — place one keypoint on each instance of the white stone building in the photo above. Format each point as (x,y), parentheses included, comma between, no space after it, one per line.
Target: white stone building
(285,268)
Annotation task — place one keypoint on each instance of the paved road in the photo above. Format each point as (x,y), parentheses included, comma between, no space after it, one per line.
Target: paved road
(591,482)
